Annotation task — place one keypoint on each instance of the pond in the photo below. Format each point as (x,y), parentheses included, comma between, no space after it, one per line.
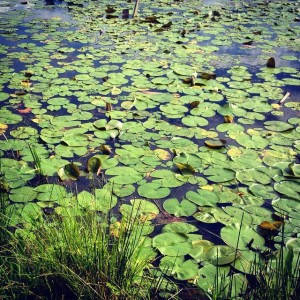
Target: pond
(190,110)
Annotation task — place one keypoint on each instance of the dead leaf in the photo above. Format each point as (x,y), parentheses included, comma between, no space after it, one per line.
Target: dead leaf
(271,225)
(25,110)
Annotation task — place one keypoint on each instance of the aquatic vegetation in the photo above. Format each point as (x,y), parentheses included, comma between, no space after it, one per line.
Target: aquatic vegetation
(190,108)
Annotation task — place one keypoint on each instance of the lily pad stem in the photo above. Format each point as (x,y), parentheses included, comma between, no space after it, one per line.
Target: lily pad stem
(285,97)
(136,8)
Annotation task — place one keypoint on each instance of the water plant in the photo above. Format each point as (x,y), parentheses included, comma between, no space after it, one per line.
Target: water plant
(191,105)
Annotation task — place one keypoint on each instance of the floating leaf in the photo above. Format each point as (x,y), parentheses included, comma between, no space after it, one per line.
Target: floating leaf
(123,175)
(241,237)
(72,171)
(153,190)
(220,255)
(104,200)
(24,132)
(180,227)
(3,128)
(162,154)
(215,143)
(203,197)
(179,209)
(271,225)
(278,126)
(105,149)
(142,209)
(51,192)
(178,267)
(210,274)
(69,171)
(199,248)
(228,119)
(218,174)
(288,188)
(172,244)
(23,194)
(185,169)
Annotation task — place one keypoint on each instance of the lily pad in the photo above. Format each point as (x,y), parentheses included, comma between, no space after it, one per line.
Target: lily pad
(203,197)
(178,267)
(241,237)
(288,188)
(278,126)
(139,208)
(23,194)
(180,209)
(153,190)
(220,255)
(172,244)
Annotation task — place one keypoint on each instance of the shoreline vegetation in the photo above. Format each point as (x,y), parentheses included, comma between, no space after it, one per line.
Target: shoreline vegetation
(97,256)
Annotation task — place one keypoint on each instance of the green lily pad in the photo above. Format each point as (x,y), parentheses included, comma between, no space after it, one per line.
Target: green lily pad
(24,132)
(180,227)
(215,144)
(75,140)
(153,190)
(50,192)
(178,267)
(220,255)
(199,249)
(210,274)
(180,209)
(105,200)
(217,174)
(172,244)
(123,175)
(278,126)
(241,237)
(23,194)
(142,209)
(122,191)
(203,197)
(247,176)
(288,188)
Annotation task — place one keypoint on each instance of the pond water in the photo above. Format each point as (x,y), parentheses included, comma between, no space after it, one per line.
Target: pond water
(191,109)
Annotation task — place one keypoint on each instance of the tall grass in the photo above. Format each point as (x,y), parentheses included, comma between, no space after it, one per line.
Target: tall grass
(36,160)
(87,257)
(277,276)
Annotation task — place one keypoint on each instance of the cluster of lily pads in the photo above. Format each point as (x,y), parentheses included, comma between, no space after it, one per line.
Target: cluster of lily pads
(178,109)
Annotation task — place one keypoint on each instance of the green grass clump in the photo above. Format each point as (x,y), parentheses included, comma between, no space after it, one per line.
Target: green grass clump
(86,257)
(278,277)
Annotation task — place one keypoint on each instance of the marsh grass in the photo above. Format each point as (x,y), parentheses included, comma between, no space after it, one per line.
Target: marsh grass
(87,257)
(277,276)
(36,160)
